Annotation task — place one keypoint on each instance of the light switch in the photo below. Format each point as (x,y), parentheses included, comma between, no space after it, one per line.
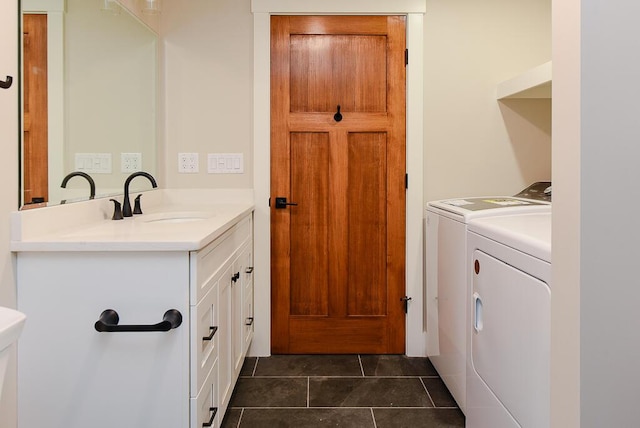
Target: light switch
(93,163)
(213,163)
(225,163)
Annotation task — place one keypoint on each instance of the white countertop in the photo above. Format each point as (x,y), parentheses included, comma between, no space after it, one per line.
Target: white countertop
(87,226)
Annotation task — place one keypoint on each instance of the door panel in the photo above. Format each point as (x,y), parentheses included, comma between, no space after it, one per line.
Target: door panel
(338,255)
(327,71)
(310,257)
(367,282)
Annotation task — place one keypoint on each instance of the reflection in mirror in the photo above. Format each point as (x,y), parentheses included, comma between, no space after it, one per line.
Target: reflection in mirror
(90,80)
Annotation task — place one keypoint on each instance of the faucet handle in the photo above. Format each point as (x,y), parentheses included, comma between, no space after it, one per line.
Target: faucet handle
(117,211)
(136,207)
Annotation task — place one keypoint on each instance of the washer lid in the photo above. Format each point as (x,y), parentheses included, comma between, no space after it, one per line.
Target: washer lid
(487,203)
(477,207)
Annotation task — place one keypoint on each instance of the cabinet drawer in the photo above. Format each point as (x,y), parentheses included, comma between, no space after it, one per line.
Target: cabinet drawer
(248,319)
(204,339)
(204,407)
(247,262)
(207,263)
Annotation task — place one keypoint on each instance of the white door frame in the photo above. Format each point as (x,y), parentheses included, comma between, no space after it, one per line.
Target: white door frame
(262,10)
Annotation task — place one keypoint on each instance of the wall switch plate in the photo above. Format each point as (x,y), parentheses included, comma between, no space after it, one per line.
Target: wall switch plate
(130,162)
(93,163)
(225,163)
(188,163)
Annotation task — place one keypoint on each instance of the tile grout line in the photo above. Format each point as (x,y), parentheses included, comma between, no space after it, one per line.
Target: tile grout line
(308,390)
(339,377)
(373,416)
(361,367)
(427,391)
(240,418)
(255,367)
(344,408)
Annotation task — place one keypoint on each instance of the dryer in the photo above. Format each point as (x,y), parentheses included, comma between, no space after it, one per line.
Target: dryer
(508,334)
(446,280)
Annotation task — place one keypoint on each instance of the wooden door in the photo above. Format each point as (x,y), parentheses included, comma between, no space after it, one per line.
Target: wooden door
(35,146)
(338,256)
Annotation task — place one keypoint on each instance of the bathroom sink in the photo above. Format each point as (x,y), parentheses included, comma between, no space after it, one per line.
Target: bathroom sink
(11,323)
(176,217)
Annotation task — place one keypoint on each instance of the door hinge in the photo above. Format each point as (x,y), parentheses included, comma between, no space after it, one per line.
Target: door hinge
(406,57)
(269,202)
(406,181)
(406,299)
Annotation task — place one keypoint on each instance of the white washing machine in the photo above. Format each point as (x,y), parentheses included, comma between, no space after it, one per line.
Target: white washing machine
(446,281)
(509,279)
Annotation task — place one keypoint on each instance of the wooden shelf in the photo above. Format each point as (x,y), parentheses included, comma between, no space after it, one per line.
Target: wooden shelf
(534,83)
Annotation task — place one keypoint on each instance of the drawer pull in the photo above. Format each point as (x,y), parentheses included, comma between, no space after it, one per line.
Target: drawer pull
(249,270)
(235,277)
(213,332)
(108,322)
(214,411)
(249,321)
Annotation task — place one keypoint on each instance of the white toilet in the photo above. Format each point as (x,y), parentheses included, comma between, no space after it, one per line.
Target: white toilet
(11,323)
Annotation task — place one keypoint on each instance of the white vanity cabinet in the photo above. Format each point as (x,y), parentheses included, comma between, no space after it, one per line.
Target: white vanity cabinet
(71,375)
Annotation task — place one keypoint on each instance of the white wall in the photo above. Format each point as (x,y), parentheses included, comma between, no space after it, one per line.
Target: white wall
(208,73)
(9,141)
(565,304)
(609,161)
(473,144)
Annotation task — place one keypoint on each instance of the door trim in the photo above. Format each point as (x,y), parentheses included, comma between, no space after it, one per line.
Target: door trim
(414,10)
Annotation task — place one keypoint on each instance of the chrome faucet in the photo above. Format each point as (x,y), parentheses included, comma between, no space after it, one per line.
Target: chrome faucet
(126,206)
(92,184)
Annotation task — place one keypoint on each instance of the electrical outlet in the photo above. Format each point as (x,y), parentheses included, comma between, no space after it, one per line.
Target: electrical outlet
(130,162)
(188,163)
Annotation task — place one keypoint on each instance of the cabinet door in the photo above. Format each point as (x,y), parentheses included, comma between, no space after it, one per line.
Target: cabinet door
(204,407)
(247,292)
(225,355)
(248,319)
(204,339)
(71,375)
(238,320)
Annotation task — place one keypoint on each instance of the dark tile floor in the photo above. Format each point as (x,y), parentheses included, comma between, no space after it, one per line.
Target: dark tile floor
(349,391)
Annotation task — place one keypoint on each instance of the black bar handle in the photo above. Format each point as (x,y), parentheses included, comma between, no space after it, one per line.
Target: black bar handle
(213,333)
(214,411)
(249,269)
(235,277)
(282,203)
(108,322)
(6,84)
(249,321)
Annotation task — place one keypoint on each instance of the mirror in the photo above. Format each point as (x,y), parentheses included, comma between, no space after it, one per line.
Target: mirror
(89,99)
